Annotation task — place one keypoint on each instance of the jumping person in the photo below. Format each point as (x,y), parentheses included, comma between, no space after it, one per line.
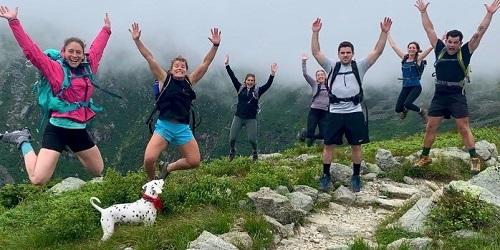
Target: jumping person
(345,115)
(412,66)
(247,108)
(319,104)
(452,61)
(172,126)
(64,128)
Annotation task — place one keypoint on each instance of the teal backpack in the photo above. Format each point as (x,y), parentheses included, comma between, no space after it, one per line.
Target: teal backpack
(49,101)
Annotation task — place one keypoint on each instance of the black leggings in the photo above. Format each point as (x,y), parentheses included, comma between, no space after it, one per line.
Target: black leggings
(316,118)
(406,98)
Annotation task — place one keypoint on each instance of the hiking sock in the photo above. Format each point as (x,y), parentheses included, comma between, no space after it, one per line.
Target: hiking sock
(356,168)
(473,153)
(425,151)
(326,168)
(26,148)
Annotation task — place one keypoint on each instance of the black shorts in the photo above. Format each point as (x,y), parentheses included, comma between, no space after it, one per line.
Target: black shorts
(449,105)
(57,138)
(352,125)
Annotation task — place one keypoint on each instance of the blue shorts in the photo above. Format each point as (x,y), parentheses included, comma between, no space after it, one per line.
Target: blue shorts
(175,133)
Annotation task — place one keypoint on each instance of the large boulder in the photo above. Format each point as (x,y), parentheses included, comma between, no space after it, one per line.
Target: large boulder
(309,191)
(344,195)
(68,184)
(450,154)
(270,203)
(341,173)
(489,179)
(208,241)
(486,150)
(240,239)
(385,160)
(477,191)
(413,220)
(413,244)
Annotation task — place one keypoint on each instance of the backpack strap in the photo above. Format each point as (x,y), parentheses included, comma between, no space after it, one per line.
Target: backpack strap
(333,73)
(459,59)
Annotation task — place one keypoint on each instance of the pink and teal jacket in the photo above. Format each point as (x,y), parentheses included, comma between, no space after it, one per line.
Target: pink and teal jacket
(81,89)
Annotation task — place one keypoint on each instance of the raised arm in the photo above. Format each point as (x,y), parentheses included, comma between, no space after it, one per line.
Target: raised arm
(154,66)
(198,73)
(265,87)
(234,80)
(424,54)
(316,52)
(385,26)
(308,78)
(426,22)
(394,46)
(476,38)
(97,47)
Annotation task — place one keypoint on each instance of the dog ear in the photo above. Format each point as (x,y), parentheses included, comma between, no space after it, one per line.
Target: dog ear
(144,188)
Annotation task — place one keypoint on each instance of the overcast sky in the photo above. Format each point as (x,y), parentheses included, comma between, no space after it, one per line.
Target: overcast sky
(258,32)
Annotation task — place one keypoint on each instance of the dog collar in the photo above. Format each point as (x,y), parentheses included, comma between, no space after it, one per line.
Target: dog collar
(156,201)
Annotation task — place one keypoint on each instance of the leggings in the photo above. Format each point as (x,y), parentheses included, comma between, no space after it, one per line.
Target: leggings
(406,98)
(237,124)
(315,118)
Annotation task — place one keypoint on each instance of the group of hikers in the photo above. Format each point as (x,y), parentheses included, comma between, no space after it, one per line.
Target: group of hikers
(336,107)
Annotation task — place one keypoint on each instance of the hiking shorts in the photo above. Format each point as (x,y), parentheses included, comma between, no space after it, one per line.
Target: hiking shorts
(449,105)
(57,138)
(351,125)
(176,134)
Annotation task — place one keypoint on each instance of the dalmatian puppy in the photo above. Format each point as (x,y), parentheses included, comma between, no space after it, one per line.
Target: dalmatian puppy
(142,211)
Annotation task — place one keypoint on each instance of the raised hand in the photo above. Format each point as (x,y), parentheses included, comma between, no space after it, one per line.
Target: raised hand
(305,57)
(493,7)
(385,26)
(316,27)
(107,22)
(135,31)
(421,6)
(8,14)
(215,38)
(274,68)
(226,60)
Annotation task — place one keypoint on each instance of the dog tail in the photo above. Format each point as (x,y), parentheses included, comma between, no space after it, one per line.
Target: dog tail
(92,199)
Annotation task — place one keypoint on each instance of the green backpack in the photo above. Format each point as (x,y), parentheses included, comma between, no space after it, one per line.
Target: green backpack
(49,101)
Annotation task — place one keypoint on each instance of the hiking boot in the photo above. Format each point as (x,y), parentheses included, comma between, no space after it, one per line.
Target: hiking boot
(163,170)
(232,154)
(17,137)
(356,183)
(255,156)
(403,114)
(423,161)
(324,182)
(475,165)
(423,115)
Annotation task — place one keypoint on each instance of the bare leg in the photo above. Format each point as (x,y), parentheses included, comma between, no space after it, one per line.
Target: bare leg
(153,150)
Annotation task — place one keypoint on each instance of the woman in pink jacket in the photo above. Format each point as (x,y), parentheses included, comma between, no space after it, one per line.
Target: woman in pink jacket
(64,129)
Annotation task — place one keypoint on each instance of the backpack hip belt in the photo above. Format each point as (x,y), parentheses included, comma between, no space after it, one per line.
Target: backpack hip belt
(445,83)
(354,99)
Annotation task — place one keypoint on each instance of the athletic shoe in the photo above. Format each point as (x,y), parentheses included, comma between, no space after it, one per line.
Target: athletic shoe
(163,170)
(324,182)
(475,165)
(403,114)
(423,161)
(232,154)
(17,137)
(356,183)
(423,115)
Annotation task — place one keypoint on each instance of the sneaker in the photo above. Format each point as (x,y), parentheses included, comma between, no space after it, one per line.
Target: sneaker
(255,156)
(324,182)
(423,161)
(423,115)
(403,114)
(356,183)
(17,137)
(163,170)
(232,154)
(475,165)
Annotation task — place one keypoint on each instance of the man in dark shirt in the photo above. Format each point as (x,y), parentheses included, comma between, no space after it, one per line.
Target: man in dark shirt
(452,61)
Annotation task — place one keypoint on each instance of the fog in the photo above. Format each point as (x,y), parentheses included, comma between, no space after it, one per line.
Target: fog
(257,33)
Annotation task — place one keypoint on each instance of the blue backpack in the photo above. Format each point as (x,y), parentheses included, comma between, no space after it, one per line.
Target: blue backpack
(49,101)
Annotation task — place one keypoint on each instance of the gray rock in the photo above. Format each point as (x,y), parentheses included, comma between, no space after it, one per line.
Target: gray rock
(409,180)
(431,185)
(278,228)
(68,184)
(414,244)
(309,191)
(99,179)
(367,167)
(324,198)
(338,247)
(208,241)
(364,199)
(269,156)
(341,173)
(450,154)
(283,190)
(465,234)
(398,192)
(491,162)
(270,203)
(385,160)
(488,179)
(369,177)
(413,220)
(240,239)
(483,193)
(486,150)
(390,204)
(344,195)
(301,201)
(305,157)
